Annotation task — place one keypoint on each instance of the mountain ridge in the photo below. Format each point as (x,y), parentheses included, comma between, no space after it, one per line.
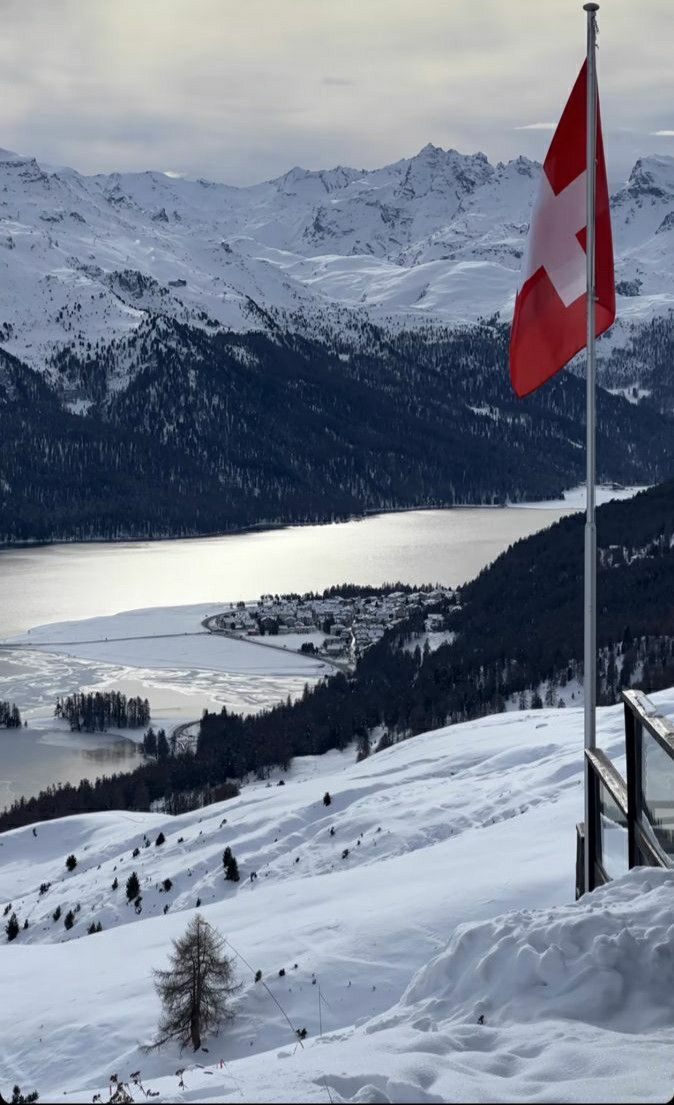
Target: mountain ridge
(434,239)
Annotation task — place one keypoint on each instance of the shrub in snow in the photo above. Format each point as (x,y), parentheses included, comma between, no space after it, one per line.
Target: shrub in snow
(196,988)
(69,919)
(56,915)
(12,928)
(160,840)
(71,863)
(132,887)
(345,853)
(136,852)
(167,884)
(231,866)
(44,887)
(115,883)
(326,798)
(282,972)
(258,976)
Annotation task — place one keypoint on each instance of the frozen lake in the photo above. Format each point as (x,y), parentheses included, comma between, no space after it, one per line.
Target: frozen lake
(181,675)
(57,583)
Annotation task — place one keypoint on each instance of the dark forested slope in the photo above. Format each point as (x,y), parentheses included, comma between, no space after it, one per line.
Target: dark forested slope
(220,431)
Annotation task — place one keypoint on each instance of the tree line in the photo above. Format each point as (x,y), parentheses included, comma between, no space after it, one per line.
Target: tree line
(94,712)
(10,716)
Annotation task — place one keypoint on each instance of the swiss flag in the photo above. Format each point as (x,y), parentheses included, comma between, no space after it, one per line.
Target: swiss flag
(550,321)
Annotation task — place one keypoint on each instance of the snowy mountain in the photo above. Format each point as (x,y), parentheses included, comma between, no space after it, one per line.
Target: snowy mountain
(430,947)
(192,357)
(436,238)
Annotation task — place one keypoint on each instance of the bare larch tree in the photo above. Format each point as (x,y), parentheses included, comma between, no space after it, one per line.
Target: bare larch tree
(196,988)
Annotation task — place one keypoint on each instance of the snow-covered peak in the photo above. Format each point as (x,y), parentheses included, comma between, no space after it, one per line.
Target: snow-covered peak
(432,238)
(652,176)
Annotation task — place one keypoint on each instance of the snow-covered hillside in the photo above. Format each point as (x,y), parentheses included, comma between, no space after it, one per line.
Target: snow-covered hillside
(436,238)
(430,945)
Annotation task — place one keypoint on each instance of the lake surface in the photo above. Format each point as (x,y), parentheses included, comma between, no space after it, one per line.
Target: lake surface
(31,760)
(71,582)
(63,582)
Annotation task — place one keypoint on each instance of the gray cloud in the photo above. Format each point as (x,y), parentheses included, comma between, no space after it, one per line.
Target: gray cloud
(240,92)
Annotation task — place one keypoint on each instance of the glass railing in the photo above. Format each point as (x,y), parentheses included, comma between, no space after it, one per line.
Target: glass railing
(631,821)
(613,846)
(656,791)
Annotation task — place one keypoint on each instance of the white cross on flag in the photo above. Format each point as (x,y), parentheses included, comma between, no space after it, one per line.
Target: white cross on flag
(550,321)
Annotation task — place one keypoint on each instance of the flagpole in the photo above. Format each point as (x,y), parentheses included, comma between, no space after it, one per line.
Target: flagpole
(590,604)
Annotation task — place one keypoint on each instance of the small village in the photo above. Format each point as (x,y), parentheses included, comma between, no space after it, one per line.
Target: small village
(337,627)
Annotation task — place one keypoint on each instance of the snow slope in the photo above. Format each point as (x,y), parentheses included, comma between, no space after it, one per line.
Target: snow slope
(454,904)
(435,238)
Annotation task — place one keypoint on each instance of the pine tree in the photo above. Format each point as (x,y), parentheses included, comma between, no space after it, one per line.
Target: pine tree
(69,919)
(132,887)
(363,746)
(12,928)
(231,866)
(161,839)
(196,988)
(23,1099)
(326,798)
(71,863)
(150,743)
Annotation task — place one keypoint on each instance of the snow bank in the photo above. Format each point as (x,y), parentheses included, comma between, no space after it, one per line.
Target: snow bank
(606,960)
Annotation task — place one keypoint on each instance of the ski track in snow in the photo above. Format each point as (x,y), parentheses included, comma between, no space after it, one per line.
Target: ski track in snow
(454,903)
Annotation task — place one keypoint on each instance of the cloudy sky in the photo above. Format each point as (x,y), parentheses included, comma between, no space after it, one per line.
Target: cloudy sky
(241,90)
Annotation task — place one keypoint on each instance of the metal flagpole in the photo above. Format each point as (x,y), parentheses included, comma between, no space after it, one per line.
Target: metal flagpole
(590,605)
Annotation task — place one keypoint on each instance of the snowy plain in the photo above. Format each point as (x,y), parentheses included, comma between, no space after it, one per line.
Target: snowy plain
(453,907)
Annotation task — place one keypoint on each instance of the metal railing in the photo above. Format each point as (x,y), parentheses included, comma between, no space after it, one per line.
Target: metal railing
(631,821)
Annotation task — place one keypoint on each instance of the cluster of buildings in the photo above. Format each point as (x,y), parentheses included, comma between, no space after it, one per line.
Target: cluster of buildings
(336,626)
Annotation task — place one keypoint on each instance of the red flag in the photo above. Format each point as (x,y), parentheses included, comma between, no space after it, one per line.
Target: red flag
(550,320)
